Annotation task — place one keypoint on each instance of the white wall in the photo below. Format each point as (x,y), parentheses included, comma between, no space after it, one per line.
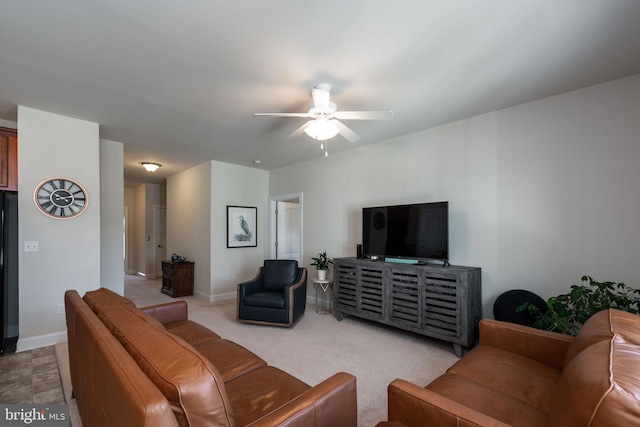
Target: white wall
(111,215)
(197,201)
(51,145)
(242,186)
(539,194)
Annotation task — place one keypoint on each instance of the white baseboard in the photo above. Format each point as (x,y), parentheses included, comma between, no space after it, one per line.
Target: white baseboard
(39,341)
(223,297)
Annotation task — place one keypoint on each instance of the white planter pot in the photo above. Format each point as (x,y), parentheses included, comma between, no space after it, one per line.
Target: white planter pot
(322,274)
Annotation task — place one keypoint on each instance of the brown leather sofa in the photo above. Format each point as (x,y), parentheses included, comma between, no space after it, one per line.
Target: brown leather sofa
(524,377)
(154,367)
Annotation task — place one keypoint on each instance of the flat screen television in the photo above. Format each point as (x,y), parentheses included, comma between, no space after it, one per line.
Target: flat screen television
(407,231)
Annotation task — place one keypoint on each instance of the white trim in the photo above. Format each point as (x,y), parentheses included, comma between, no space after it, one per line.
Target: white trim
(156,232)
(272,221)
(223,297)
(39,341)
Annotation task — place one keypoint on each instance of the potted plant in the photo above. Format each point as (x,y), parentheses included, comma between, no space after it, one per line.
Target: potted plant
(322,263)
(566,313)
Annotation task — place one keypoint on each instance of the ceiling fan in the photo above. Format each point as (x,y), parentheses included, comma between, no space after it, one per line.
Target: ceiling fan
(325,123)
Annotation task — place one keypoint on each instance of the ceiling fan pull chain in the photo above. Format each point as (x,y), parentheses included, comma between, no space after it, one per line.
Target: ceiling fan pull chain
(326,148)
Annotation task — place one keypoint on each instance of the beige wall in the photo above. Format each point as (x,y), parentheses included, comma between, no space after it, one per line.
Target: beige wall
(51,145)
(189,222)
(539,194)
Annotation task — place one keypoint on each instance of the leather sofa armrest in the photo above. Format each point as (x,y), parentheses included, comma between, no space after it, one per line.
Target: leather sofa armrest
(545,347)
(168,312)
(416,407)
(332,403)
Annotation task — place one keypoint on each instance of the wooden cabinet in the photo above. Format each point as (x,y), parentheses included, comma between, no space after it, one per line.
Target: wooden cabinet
(177,278)
(439,302)
(8,159)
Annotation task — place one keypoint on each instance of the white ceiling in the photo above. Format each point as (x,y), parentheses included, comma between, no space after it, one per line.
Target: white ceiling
(178,81)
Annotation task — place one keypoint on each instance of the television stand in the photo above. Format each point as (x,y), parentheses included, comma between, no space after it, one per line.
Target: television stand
(431,300)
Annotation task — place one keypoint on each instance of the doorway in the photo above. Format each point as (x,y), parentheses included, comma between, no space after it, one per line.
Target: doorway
(160,234)
(285,227)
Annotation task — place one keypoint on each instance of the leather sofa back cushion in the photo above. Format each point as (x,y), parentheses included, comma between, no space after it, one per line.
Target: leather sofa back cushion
(108,400)
(102,300)
(193,387)
(103,296)
(599,385)
(600,381)
(601,327)
(276,274)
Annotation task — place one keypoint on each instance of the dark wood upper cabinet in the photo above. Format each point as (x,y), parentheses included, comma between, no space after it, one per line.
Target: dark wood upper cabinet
(8,159)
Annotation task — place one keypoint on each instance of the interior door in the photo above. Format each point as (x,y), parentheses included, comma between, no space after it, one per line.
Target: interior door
(288,230)
(160,229)
(285,227)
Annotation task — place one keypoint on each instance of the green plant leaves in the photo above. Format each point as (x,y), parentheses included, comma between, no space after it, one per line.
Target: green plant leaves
(321,262)
(566,313)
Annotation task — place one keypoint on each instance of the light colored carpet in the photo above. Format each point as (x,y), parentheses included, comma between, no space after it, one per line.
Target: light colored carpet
(318,346)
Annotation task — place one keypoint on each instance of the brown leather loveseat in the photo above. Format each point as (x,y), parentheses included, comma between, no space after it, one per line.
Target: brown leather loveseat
(524,377)
(154,367)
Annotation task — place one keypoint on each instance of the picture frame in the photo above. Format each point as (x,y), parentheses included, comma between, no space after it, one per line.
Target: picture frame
(242,227)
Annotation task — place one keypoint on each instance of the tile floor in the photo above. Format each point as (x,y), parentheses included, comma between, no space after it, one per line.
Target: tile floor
(30,377)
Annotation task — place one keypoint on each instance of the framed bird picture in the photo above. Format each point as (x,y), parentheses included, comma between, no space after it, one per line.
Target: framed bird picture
(242,227)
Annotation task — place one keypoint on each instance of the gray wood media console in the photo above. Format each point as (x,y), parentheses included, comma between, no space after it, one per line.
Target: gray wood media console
(432,300)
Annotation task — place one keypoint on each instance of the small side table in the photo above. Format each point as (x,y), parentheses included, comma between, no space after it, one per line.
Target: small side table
(323,300)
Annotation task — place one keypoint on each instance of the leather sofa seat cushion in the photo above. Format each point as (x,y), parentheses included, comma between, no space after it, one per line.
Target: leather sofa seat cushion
(261,391)
(191,332)
(495,404)
(276,274)
(265,299)
(230,359)
(506,372)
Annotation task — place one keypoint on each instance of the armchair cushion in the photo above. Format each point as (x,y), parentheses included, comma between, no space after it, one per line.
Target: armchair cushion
(265,299)
(278,273)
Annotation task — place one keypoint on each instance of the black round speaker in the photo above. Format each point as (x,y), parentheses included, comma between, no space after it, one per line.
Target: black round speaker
(505,306)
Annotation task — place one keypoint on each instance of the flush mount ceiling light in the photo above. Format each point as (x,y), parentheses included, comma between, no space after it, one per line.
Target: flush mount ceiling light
(150,166)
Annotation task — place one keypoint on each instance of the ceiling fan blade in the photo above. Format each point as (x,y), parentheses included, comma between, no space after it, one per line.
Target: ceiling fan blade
(363,115)
(300,130)
(283,114)
(347,133)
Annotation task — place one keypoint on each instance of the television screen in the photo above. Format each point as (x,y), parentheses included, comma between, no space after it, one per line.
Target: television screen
(407,231)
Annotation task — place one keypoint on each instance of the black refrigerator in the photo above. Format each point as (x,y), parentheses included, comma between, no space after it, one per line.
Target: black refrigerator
(8,271)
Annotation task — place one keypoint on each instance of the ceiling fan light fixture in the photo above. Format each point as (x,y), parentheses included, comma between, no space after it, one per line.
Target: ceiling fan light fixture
(150,166)
(321,129)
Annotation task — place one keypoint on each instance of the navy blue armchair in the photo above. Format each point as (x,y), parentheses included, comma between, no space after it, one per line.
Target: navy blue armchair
(276,296)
